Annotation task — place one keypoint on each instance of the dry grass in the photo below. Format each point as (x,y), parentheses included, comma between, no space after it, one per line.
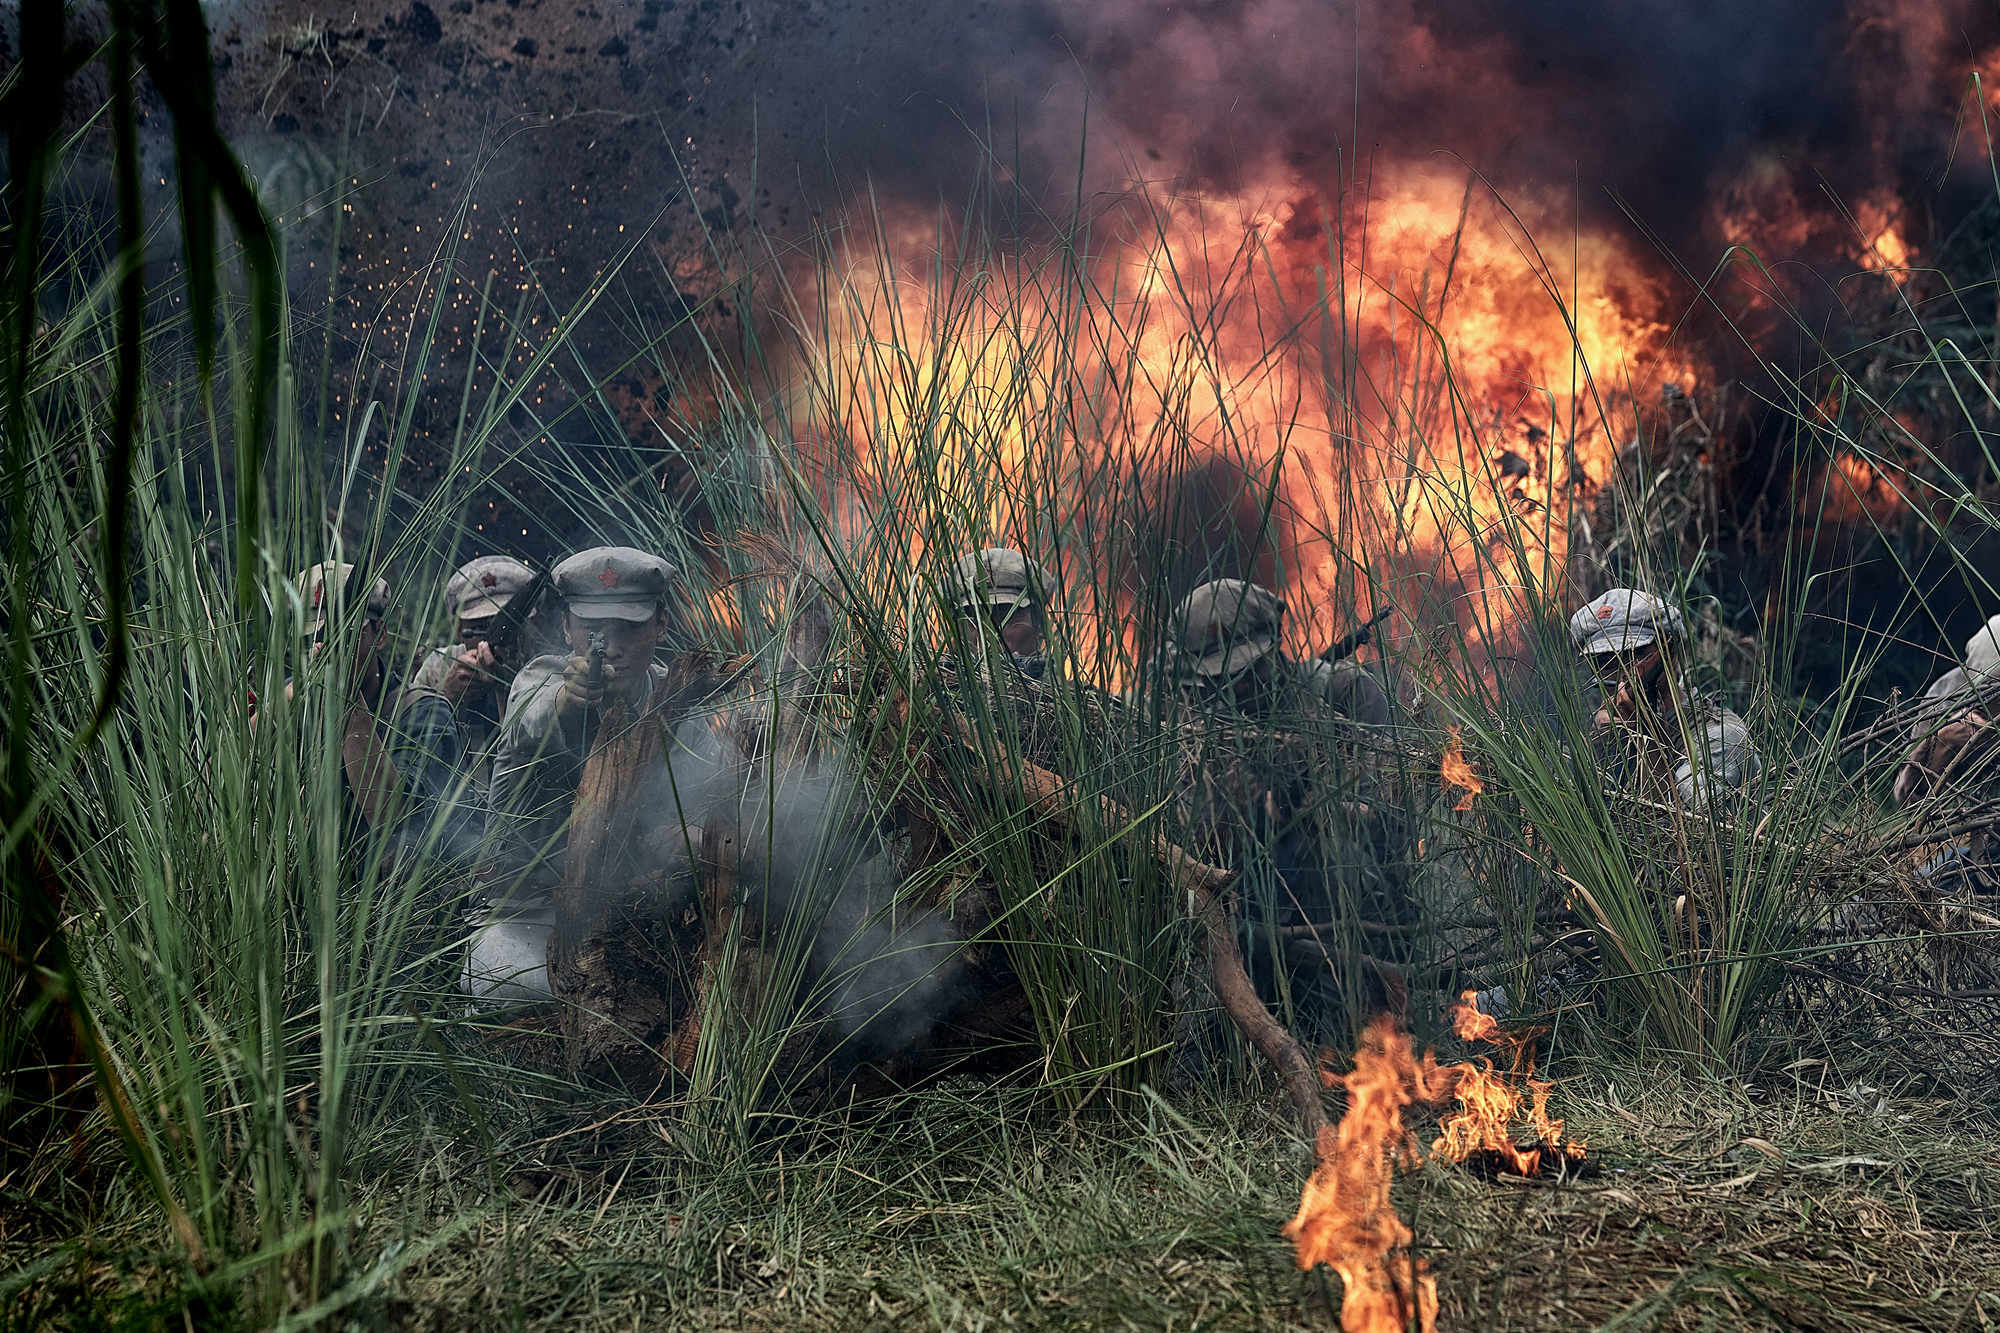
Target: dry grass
(1803,1202)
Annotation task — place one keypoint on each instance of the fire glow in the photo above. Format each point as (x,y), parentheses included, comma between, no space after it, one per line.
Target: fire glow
(1423,380)
(1346,1218)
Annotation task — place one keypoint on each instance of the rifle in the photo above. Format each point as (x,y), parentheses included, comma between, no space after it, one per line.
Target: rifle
(596,676)
(1357,638)
(354,589)
(505,636)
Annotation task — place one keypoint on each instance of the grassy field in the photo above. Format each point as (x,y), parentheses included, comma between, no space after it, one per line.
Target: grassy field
(243,1093)
(1793,1205)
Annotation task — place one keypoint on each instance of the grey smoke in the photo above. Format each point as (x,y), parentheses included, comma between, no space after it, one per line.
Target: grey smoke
(819,868)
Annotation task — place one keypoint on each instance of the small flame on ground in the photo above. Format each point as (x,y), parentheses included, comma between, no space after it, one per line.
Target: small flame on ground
(1491,1103)
(1458,774)
(1346,1218)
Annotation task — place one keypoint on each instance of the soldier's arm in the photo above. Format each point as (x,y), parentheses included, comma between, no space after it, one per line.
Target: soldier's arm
(428,750)
(1351,690)
(427,679)
(527,809)
(1723,760)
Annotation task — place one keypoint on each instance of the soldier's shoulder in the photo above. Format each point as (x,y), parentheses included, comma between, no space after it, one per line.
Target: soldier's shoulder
(1944,699)
(531,698)
(431,668)
(1349,688)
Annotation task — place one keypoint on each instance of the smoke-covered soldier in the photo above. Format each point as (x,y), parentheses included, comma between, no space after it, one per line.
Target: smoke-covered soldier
(1000,599)
(1679,744)
(1953,758)
(614,615)
(1289,781)
(394,772)
(493,605)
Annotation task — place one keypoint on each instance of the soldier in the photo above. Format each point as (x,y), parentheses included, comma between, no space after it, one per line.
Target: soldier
(1629,638)
(382,762)
(617,596)
(1228,656)
(473,677)
(1000,594)
(1296,804)
(1951,752)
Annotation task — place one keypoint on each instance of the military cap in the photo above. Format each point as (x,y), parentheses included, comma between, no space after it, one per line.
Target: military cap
(1621,620)
(1000,577)
(312,583)
(484,586)
(614,583)
(1224,626)
(1982,654)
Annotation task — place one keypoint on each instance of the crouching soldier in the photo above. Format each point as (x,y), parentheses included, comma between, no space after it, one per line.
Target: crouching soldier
(560,711)
(492,602)
(394,772)
(1953,758)
(1000,598)
(1290,788)
(1649,718)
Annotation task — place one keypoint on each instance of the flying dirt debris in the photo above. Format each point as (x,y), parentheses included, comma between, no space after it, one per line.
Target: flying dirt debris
(1346,1218)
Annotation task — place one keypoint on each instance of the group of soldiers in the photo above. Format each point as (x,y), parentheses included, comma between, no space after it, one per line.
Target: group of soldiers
(481,750)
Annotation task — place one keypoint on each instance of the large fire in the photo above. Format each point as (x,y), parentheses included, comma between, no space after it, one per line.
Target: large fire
(1346,1218)
(1409,389)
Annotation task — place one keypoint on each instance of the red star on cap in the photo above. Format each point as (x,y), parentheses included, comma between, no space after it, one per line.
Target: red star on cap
(488,579)
(1605,612)
(607,579)
(319,594)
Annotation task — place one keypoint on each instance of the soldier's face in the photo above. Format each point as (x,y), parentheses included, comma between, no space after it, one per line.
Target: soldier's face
(1019,627)
(1633,667)
(628,644)
(1244,686)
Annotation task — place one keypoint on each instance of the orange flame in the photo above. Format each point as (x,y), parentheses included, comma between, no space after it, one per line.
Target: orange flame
(1346,1218)
(1490,1103)
(1458,774)
(1442,393)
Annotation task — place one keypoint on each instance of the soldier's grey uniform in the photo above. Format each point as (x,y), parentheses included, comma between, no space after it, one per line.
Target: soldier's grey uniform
(1226,627)
(538,760)
(1719,758)
(1973,687)
(1299,808)
(479,590)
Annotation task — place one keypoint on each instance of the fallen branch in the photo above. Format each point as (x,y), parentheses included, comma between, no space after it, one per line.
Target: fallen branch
(1202,885)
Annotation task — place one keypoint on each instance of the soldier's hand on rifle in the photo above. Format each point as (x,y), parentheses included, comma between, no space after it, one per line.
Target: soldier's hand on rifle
(470,667)
(578,693)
